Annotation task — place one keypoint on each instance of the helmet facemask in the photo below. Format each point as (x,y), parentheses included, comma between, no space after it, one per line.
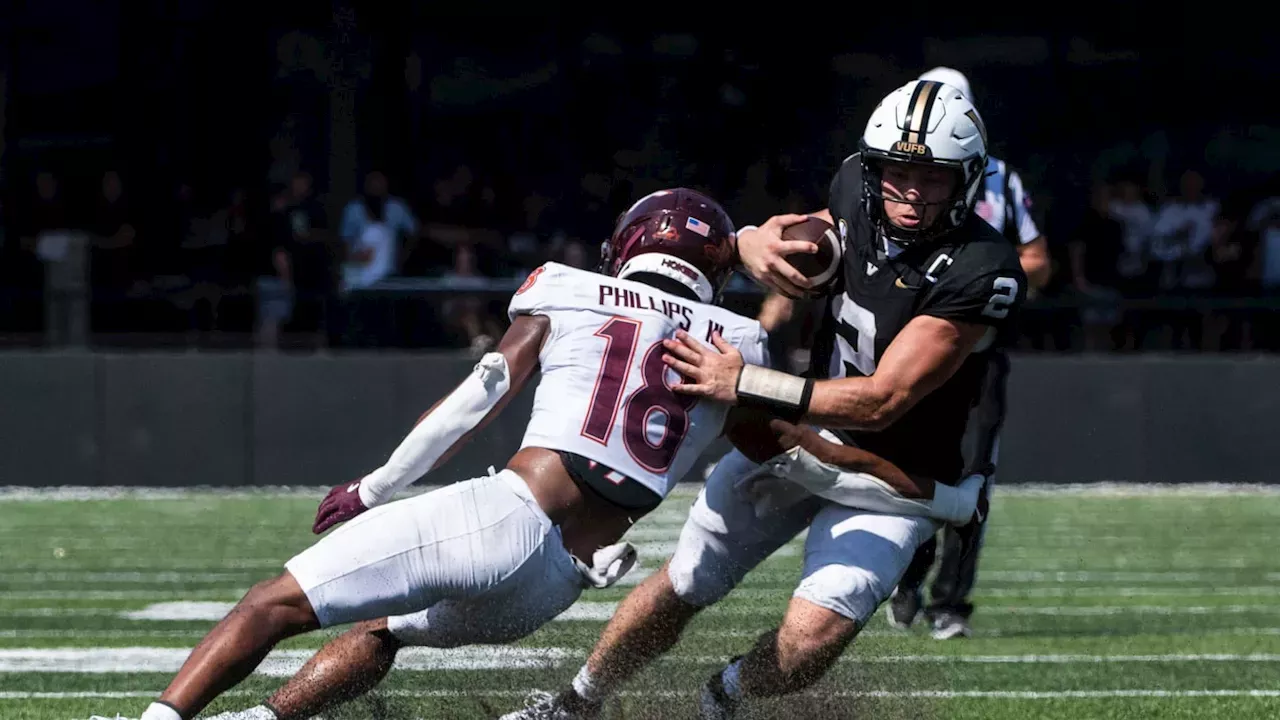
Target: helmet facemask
(954,209)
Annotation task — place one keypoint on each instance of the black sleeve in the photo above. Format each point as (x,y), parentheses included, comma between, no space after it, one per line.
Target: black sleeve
(993,297)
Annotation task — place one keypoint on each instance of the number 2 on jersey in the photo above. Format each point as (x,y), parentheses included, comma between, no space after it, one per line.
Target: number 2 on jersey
(1004,292)
(855,339)
(654,395)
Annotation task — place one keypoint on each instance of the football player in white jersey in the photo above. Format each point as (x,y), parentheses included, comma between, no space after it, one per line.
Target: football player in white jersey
(606,442)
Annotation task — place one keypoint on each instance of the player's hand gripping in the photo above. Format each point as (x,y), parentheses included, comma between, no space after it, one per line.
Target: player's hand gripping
(340,505)
(763,252)
(705,372)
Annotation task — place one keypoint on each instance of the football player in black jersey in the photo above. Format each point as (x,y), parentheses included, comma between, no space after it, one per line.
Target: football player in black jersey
(1005,204)
(926,287)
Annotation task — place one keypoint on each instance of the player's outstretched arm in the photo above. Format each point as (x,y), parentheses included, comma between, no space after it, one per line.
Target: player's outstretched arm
(447,426)
(847,475)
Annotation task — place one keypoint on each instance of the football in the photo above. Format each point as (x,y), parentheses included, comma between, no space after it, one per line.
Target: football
(823,266)
(758,434)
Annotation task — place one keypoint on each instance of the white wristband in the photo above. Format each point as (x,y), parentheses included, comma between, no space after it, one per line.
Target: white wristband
(783,394)
(745,228)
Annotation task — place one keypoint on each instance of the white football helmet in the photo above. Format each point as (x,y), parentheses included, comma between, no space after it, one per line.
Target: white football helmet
(949,76)
(925,122)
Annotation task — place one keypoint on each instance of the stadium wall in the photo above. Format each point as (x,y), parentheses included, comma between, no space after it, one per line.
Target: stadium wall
(241,419)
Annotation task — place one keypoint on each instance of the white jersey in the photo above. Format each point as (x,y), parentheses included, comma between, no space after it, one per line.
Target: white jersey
(605,392)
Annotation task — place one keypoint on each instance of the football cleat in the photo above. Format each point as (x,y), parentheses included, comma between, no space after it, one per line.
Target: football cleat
(714,703)
(947,626)
(568,705)
(903,608)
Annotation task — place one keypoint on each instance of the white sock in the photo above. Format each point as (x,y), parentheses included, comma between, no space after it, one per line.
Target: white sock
(587,687)
(160,711)
(259,712)
(730,677)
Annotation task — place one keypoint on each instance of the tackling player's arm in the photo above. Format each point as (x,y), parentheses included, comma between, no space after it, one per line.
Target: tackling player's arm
(845,474)
(448,425)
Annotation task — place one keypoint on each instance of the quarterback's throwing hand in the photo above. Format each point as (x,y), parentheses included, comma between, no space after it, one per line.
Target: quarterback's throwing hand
(707,373)
(340,505)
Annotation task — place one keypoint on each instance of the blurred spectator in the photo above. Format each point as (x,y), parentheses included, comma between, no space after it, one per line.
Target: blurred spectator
(371,230)
(528,245)
(371,258)
(302,230)
(373,255)
(21,274)
(275,296)
(1136,218)
(236,310)
(1264,221)
(1182,234)
(50,236)
(204,250)
(466,315)
(462,212)
(1095,253)
(447,224)
(1231,255)
(113,268)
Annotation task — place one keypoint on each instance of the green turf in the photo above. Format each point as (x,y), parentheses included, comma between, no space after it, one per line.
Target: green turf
(1090,606)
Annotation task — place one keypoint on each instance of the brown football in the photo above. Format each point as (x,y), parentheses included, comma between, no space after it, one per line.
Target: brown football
(823,267)
(755,433)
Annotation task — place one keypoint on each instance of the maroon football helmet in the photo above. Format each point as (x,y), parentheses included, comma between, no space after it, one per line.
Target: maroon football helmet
(679,234)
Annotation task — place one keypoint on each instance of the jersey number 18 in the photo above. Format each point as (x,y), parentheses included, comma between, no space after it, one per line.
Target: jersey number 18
(654,395)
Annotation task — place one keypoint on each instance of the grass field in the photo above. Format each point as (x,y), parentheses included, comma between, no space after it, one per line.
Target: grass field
(1101,603)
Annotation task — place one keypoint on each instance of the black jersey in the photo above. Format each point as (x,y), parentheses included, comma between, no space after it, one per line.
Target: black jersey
(971,274)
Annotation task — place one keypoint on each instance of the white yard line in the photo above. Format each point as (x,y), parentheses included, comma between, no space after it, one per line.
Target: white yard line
(214,610)
(683,490)
(280,663)
(28,595)
(601,611)
(91,577)
(674,694)
(283,663)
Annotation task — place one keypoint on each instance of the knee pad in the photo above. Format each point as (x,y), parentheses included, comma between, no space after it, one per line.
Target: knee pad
(845,590)
(698,579)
